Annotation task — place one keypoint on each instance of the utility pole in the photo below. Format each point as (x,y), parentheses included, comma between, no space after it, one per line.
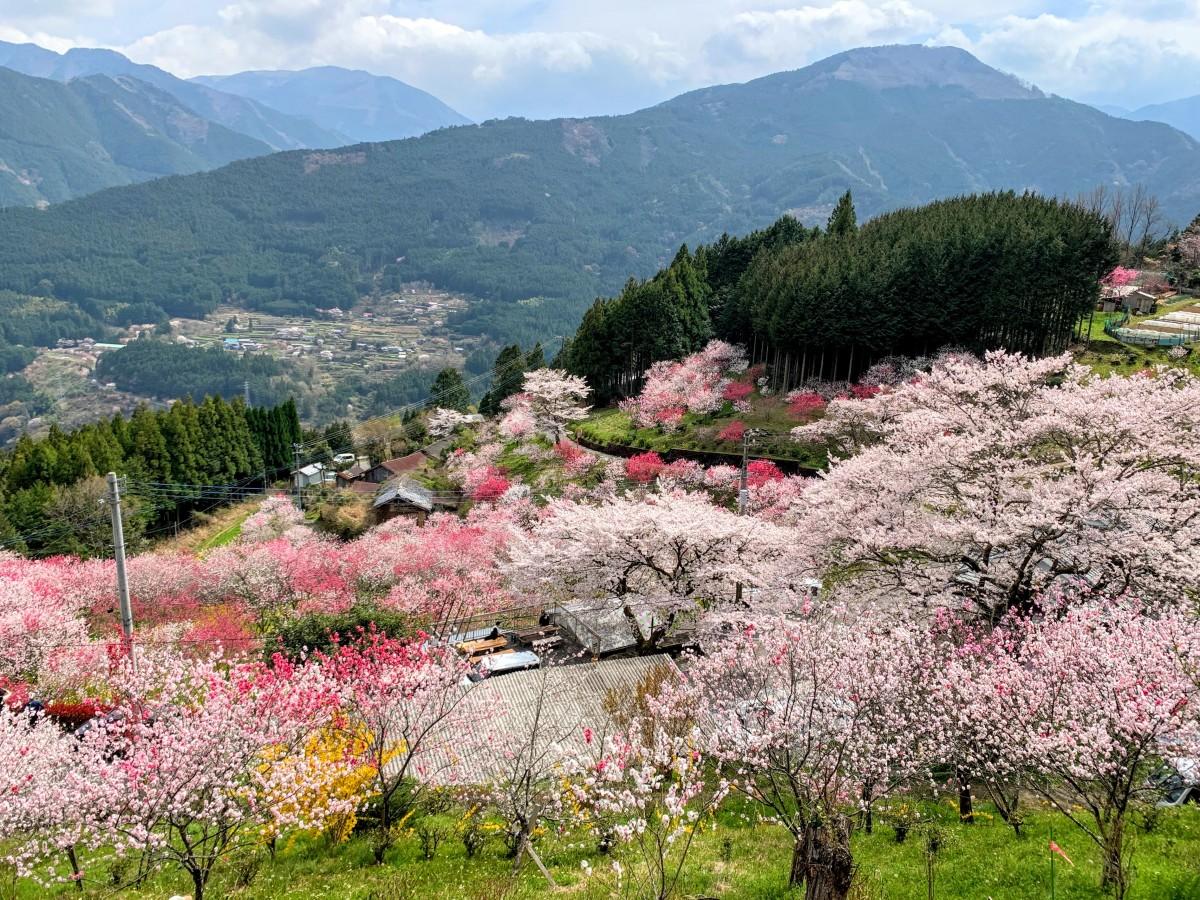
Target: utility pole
(296,459)
(743,495)
(743,481)
(114,503)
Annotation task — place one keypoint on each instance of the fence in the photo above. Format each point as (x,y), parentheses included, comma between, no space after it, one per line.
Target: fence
(1115,328)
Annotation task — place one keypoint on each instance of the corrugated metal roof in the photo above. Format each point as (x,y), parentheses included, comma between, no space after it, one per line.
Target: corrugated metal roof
(404,492)
(564,700)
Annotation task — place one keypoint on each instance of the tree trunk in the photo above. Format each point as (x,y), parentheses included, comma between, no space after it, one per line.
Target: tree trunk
(197,884)
(76,875)
(821,861)
(966,808)
(1114,877)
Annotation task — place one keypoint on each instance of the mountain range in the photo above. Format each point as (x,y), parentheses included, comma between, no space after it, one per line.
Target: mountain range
(275,129)
(1182,114)
(62,140)
(535,218)
(65,143)
(350,102)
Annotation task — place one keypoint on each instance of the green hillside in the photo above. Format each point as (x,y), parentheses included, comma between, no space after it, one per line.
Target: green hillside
(537,218)
(59,140)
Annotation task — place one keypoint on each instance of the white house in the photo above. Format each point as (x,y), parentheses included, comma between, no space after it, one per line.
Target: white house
(312,475)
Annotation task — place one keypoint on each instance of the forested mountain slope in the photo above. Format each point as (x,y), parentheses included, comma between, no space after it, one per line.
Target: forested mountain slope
(62,140)
(358,104)
(278,130)
(537,218)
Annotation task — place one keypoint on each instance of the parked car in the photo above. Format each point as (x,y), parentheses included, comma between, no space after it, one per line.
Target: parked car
(1178,782)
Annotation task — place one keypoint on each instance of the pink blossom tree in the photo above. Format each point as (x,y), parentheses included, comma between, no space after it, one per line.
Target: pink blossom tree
(651,790)
(194,749)
(644,467)
(404,709)
(814,717)
(48,782)
(1120,276)
(696,384)
(36,620)
(1093,699)
(987,482)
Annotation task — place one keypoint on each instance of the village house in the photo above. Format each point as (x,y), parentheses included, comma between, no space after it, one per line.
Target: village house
(313,475)
(390,468)
(348,477)
(402,497)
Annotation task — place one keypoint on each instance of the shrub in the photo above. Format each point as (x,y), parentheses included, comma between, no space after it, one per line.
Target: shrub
(492,488)
(644,467)
(732,433)
(314,632)
(71,715)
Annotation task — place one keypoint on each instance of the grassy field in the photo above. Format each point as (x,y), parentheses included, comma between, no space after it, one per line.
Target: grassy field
(1106,355)
(731,859)
(213,529)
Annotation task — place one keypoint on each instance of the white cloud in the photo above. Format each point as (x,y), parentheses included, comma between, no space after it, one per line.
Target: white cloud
(537,57)
(792,37)
(1112,57)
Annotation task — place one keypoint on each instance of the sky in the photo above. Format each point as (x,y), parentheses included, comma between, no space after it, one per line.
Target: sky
(540,58)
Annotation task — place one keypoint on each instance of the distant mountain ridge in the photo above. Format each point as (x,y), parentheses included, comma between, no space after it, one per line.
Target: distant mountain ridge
(1183,114)
(536,218)
(279,131)
(60,140)
(358,104)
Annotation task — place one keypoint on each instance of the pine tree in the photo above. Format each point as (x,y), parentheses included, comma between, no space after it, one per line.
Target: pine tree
(843,221)
(449,391)
(508,371)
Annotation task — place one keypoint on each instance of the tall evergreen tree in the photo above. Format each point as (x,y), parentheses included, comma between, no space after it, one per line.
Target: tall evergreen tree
(508,372)
(449,391)
(843,221)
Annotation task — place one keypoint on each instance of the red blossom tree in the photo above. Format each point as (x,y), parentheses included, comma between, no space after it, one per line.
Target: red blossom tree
(644,467)
(733,432)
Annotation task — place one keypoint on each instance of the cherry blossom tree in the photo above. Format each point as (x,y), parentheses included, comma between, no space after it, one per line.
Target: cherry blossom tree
(988,482)
(813,717)
(275,518)
(662,560)
(442,422)
(404,708)
(554,398)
